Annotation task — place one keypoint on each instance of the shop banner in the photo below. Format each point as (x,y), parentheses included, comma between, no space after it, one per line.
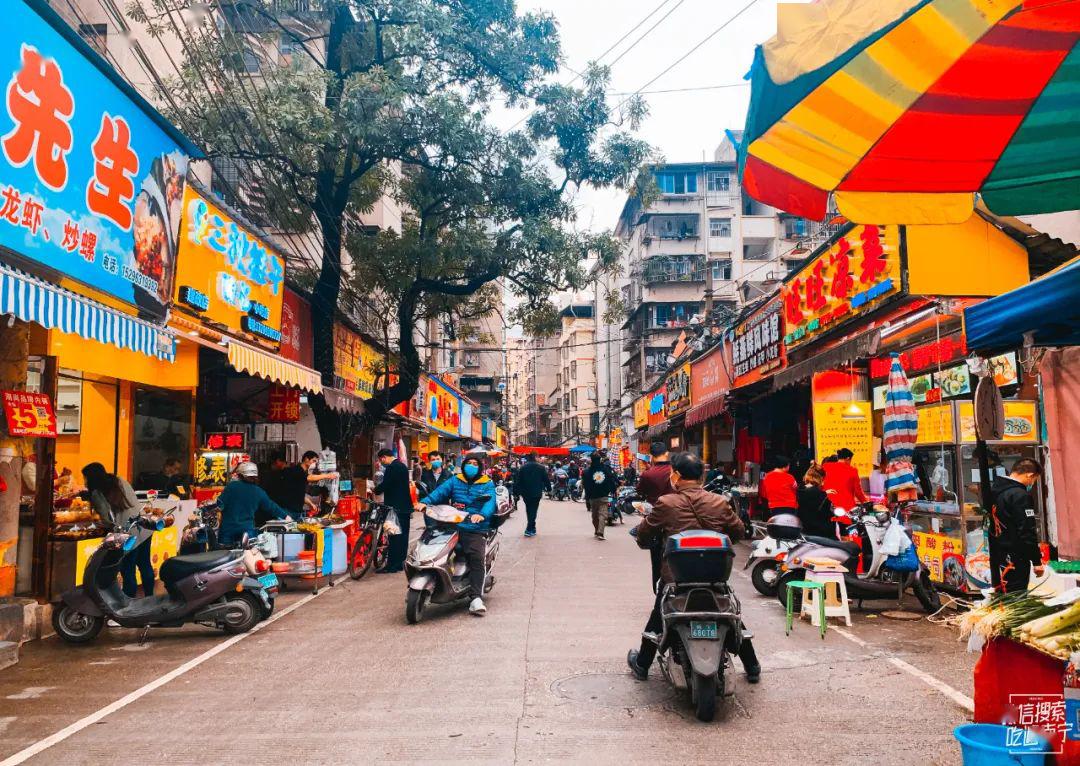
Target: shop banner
(1021,422)
(656,406)
(284,405)
(355,363)
(848,279)
(91,184)
(477,428)
(933,354)
(710,377)
(225,274)
(937,425)
(641,412)
(443,408)
(466,425)
(677,391)
(757,348)
(29,414)
(838,425)
(500,438)
(296,336)
(413,408)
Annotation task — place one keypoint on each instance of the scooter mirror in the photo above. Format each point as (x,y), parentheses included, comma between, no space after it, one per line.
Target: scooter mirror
(130,543)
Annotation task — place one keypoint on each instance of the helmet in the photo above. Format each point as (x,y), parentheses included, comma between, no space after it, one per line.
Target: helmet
(247,470)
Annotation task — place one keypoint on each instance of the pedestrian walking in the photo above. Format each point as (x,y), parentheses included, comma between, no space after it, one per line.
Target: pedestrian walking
(395,490)
(531,483)
(1013,534)
(600,483)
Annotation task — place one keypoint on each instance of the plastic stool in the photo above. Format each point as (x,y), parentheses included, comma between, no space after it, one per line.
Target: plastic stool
(835,599)
(804,585)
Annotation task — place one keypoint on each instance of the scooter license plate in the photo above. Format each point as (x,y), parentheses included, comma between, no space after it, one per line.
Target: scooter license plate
(703,630)
(269,580)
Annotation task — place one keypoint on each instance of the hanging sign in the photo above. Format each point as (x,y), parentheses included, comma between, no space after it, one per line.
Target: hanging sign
(656,406)
(677,391)
(355,363)
(91,180)
(296,335)
(284,405)
(29,414)
(850,278)
(641,412)
(227,275)
(466,420)
(443,408)
(757,348)
(225,440)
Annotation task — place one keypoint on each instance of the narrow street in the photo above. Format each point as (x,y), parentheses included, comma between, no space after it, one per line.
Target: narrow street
(343,679)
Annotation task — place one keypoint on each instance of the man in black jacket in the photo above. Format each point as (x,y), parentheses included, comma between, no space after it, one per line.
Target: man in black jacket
(394,488)
(1014,535)
(600,483)
(436,474)
(531,482)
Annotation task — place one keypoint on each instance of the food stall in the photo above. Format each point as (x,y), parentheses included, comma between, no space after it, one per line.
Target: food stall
(948,523)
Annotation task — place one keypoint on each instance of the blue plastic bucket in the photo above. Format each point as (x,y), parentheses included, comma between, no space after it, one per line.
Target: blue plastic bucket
(985,744)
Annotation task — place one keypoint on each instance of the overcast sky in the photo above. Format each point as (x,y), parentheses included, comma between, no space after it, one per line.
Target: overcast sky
(682,126)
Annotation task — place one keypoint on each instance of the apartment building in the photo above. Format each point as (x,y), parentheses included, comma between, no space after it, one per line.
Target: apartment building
(699,242)
(474,354)
(577,414)
(541,368)
(516,400)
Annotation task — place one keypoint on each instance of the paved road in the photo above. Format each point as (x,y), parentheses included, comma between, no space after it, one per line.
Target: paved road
(541,679)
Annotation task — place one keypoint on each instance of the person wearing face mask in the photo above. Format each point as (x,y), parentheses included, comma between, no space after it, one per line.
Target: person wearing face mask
(1013,534)
(394,487)
(473,492)
(435,474)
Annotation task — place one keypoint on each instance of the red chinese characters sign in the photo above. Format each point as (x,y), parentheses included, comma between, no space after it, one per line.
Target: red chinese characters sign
(296,329)
(226,441)
(29,414)
(284,405)
(922,357)
(849,278)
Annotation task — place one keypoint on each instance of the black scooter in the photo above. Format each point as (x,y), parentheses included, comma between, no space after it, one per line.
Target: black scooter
(216,588)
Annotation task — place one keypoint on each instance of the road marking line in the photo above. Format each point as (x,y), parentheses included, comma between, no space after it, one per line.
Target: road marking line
(44,744)
(956,696)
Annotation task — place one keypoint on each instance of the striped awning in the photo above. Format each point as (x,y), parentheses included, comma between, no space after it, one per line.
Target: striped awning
(342,401)
(263,364)
(54,308)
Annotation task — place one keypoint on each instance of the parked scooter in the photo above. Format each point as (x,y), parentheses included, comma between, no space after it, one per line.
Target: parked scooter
(702,618)
(228,589)
(782,533)
(437,575)
(878,583)
(621,504)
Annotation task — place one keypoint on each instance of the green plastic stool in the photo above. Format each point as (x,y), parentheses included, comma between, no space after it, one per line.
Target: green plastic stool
(805,585)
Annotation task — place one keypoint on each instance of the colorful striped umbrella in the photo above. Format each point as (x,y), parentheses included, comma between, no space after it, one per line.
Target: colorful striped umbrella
(900,431)
(903,110)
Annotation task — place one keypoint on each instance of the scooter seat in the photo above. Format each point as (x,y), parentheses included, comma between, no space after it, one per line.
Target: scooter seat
(179,567)
(843,545)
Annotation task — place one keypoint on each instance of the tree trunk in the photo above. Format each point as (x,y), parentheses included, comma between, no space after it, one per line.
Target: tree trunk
(14,351)
(408,368)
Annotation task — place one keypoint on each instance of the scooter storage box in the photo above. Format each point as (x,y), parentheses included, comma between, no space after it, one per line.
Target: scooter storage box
(699,556)
(784,526)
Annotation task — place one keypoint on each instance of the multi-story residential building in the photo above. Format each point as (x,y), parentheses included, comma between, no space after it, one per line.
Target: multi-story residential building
(516,399)
(541,368)
(473,352)
(699,243)
(575,394)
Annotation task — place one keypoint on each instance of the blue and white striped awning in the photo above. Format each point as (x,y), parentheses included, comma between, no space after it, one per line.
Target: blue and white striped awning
(33,300)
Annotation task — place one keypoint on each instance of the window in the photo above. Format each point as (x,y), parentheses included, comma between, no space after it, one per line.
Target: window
(472,359)
(719,227)
(573,398)
(795,228)
(718,181)
(453,359)
(95,35)
(677,183)
(591,393)
(663,315)
(573,370)
(721,270)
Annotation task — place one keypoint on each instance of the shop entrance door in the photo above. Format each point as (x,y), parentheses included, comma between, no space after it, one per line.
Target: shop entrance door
(162,426)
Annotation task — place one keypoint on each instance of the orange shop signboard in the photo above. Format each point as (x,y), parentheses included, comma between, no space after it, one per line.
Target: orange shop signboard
(710,376)
(355,363)
(641,412)
(225,274)
(850,278)
(677,391)
(443,408)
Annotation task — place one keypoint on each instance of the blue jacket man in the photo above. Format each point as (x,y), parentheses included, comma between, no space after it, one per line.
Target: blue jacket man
(240,500)
(475,492)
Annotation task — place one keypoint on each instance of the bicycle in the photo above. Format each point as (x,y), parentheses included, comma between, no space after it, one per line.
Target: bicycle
(372,546)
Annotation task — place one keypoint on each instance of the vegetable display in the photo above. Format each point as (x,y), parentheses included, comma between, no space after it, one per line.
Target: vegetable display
(1028,619)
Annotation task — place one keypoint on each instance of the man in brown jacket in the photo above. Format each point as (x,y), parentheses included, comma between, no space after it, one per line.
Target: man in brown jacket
(688,507)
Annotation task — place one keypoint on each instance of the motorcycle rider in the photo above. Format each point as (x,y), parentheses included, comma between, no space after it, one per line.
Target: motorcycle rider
(573,472)
(689,506)
(239,502)
(561,477)
(473,491)
(1014,536)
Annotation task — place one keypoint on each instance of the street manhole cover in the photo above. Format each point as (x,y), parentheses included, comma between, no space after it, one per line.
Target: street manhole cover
(901,615)
(613,690)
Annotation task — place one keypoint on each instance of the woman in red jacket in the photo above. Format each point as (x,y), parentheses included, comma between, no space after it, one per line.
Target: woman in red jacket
(842,482)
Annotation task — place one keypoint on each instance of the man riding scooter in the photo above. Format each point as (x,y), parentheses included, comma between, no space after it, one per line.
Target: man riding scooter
(474,493)
(690,506)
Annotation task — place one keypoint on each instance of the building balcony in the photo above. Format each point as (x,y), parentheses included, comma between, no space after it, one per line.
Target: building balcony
(664,270)
(665,226)
(721,244)
(722,198)
(759,227)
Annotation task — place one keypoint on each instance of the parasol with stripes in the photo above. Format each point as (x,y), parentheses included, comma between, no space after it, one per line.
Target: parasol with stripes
(901,427)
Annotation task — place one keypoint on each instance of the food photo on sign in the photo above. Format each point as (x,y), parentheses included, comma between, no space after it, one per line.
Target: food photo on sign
(91,183)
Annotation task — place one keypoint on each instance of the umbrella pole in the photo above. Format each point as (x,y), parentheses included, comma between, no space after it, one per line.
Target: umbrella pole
(986,495)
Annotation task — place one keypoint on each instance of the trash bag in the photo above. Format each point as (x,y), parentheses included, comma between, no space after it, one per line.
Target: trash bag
(896,540)
(392,525)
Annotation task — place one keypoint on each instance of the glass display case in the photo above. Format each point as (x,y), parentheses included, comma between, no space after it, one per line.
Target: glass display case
(948,521)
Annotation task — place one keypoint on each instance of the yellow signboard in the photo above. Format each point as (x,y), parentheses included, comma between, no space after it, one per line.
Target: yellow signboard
(936,424)
(1021,422)
(942,556)
(225,274)
(355,363)
(641,412)
(845,424)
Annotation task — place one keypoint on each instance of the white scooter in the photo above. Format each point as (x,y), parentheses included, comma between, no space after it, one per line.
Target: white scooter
(782,533)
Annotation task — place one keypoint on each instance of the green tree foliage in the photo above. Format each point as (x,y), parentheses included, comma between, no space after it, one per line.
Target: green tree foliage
(395,97)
